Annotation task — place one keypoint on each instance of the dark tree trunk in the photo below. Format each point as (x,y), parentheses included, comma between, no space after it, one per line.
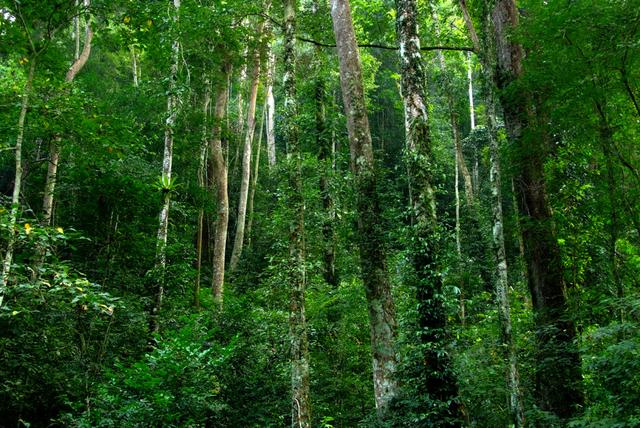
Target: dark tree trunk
(558,376)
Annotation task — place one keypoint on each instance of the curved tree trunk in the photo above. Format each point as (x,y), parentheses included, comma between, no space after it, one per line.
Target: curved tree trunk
(54,148)
(382,318)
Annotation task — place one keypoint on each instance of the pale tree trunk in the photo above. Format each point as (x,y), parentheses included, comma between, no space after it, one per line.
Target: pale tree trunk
(238,241)
(202,184)
(134,66)
(382,318)
(501,276)
(76,32)
(453,119)
(167,160)
(438,379)
(222,196)
(54,148)
(558,372)
(271,108)
(472,109)
(300,405)
(17,184)
(240,123)
(254,176)
(457,193)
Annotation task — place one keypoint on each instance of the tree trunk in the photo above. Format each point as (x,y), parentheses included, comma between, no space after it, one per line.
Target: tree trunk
(438,381)
(271,108)
(167,160)
(501,274)
(472,109)
(300,404)
(558,377)
(17,183)
(54,148)
(134,66)
(202,184)
(325,156)
(375,277)
(238,242)
(254,176)
(222,197)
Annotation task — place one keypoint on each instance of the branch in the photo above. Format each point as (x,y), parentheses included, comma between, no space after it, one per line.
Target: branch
(390,48)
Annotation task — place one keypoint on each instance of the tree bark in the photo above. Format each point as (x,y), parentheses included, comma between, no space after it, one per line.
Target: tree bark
(271,108)
(54,148)
(17,183)
(167,160)
(134,66)
(438,381)
(202,184)
(238,241)
(222,197)
(300,404)
(375,277)
(254,176)
(558,376)
(501,276)
(472,109)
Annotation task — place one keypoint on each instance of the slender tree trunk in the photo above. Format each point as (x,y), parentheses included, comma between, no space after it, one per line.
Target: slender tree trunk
(167,161)
(472,109)
(438,380)
(222,197)
(254,176)
(76,31)
(453,119)
(501,274)
(54,148)
(501,270)
(203,188)
(382,318)
(17,183)
(606,142)
(271,108)
(300,404)
(134,66)
(325,156)
(558,376)
(238,242)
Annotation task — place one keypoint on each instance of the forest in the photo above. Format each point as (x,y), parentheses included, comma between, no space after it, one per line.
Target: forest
(320,213)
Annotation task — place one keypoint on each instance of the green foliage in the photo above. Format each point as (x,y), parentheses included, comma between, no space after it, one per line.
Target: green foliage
(175,384)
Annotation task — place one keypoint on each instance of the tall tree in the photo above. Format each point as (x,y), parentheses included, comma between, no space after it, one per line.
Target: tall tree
(382,317)
(501,277)
(220,174)
(202,163)
(271,104)
(438,383)
(558,375)
(300,405)
(167,161)
(54,149)
(17,181)
(238,242)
